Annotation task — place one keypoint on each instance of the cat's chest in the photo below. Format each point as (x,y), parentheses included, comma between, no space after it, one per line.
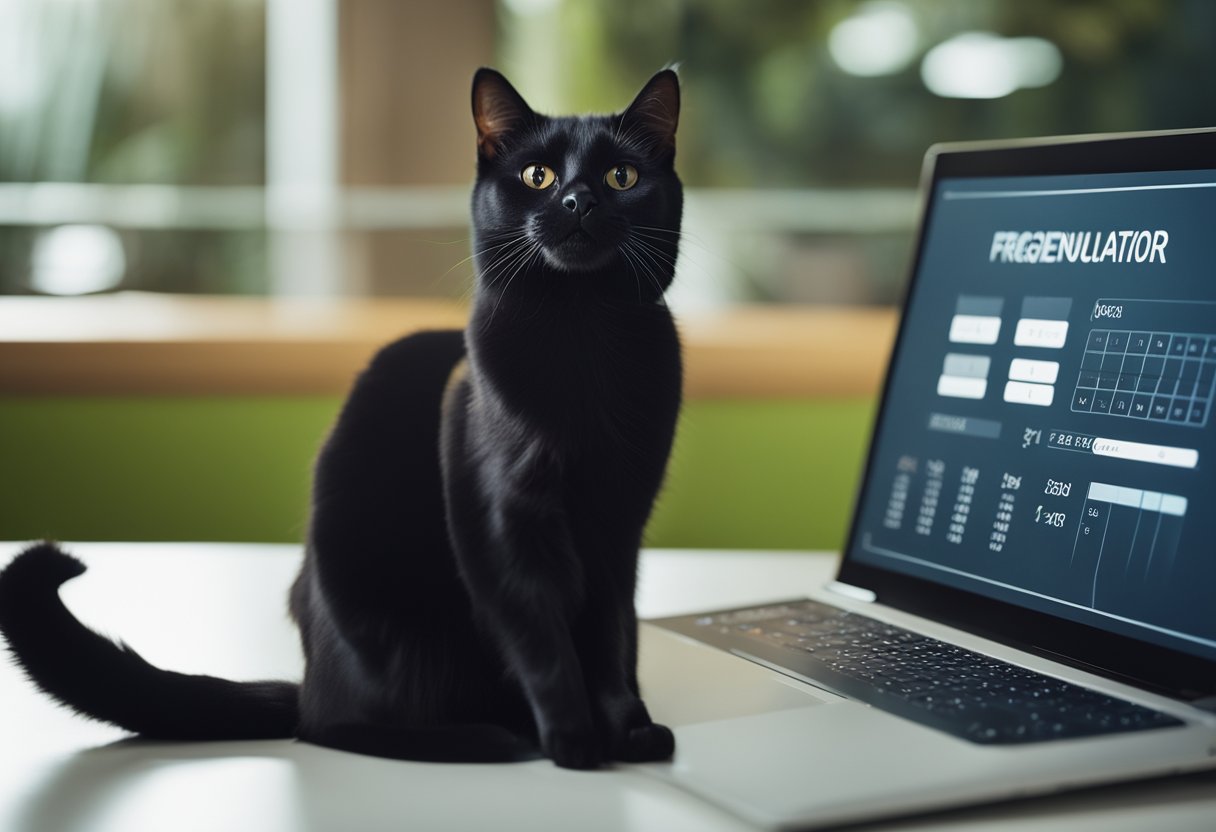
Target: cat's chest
(589,373)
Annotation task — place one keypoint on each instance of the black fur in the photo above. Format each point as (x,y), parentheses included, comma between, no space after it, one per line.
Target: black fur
(111,682)
(468,586)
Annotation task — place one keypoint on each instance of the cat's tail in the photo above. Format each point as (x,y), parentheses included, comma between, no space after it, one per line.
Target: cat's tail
(109,681)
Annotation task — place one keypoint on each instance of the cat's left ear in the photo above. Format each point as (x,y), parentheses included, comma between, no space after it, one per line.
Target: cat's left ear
(497,110)
(656,110)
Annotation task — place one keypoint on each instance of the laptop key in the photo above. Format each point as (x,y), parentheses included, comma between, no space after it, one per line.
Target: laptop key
(940,685)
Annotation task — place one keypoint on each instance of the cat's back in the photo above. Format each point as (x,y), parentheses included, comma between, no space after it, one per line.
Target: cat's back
(424,357)
(381,459)
(403,380)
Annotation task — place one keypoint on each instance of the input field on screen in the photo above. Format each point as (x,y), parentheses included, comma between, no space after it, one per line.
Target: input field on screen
(1144,452)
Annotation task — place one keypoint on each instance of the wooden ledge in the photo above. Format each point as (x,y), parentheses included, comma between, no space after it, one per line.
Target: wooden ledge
(143,344)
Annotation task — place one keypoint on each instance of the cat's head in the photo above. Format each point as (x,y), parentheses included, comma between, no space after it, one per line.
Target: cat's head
(590,203)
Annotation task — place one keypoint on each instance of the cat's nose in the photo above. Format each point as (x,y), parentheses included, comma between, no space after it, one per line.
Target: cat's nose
(579,200)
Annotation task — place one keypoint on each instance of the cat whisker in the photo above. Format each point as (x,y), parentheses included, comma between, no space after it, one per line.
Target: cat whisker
(522,264)
(646,263)
(499,242)
(681,234)
(629,261)
(666,256)
(505,259)
(675,232)
(699,245)
(645,256)
(662,261)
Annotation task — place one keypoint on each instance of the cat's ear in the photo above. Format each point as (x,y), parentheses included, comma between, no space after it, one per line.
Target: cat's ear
(655,112)
(497,110)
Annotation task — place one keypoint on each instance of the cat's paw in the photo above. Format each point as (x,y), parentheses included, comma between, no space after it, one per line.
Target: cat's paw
(645,744)
(570,749)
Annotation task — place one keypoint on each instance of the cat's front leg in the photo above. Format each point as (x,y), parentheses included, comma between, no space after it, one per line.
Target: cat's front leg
(542,656)
(635,737)
(528,614)
(608,640)
(516,559)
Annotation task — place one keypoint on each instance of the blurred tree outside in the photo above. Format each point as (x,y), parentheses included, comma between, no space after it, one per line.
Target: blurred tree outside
(800,160)
(137,92)
(133,91)
(766,105)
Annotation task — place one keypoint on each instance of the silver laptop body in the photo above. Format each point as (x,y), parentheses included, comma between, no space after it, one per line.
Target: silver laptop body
(1036,504)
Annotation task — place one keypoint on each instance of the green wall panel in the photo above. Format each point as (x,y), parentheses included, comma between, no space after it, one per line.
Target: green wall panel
(158,468)
(744,474)
(763,475)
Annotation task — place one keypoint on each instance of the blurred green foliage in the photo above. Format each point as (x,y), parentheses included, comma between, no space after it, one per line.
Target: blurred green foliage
(134,92)
(767,106)
(173,92)
(138,92)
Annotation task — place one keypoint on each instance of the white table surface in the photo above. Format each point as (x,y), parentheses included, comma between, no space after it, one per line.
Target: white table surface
(221,609)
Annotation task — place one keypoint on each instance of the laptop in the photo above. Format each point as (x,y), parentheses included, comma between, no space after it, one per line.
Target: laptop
(1026,601)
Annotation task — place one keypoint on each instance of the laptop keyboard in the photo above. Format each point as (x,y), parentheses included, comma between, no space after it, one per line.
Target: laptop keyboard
(964,693)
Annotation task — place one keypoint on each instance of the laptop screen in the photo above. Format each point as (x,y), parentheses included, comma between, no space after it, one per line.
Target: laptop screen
(1046,439)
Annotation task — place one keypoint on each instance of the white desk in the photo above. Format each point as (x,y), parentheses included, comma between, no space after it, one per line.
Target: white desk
(221,609)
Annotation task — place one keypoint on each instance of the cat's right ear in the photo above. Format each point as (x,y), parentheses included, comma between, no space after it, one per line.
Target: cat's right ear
(497,110)
(655,112)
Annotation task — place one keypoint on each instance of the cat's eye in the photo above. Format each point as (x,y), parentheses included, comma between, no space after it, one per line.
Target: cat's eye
(538,177)
(621,177)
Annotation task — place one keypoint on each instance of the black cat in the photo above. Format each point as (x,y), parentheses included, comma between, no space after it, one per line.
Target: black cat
(468,588)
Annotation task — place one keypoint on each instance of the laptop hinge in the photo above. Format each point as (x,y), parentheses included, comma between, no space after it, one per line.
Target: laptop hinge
(856,593)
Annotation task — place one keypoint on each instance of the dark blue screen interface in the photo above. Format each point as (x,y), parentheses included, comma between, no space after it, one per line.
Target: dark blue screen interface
(1048,437)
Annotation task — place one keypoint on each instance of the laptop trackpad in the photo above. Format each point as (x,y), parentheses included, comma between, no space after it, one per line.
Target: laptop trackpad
(684,682)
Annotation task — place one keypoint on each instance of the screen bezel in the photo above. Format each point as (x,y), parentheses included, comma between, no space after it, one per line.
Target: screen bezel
(1127,659)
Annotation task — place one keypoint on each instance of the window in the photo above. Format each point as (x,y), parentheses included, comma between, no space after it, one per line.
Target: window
(325,147)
